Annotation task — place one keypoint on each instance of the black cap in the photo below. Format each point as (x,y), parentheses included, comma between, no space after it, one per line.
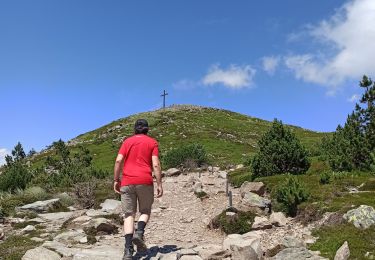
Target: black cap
(141,126)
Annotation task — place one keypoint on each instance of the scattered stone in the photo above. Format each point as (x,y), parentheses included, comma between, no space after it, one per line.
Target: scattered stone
(252,200)
(241,242)
(40,253)
(296,253)
(2,234)
(103,225)
(212,252)
(243,253)
(231,216)
(222,174)
(37,239)
(343,252)
(278,219)
(213,169)
(29,228)
(261,223)
(71,236)
(198,187)
(40,206)
(239,166)
(362,217)
(95,213)
(254,187)
(172,172)
(292,242)
(111,206)
(83,240)
(60,248)
(81,219)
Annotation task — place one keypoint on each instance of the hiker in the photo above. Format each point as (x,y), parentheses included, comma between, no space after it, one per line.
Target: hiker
(139,156)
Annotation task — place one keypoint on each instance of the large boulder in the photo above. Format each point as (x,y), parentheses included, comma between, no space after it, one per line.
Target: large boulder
(261,223)
(243,253)
(111,206)
(40,206)
(296,253)
(70,237)
(236,242)
(278,219)
(41,253)
(362,217)
(172,172)
(57,218)
(343,252)
(103,225)
(252,200)
(254,187)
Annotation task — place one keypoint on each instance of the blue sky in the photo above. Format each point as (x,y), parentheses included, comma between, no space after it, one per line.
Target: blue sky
(67,67)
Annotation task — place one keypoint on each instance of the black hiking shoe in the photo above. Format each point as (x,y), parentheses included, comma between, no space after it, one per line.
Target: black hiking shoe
(138,240)
(128,253)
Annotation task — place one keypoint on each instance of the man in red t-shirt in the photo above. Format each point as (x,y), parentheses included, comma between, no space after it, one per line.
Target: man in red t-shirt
(139,156)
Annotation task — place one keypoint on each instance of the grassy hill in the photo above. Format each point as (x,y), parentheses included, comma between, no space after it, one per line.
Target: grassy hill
(228,137)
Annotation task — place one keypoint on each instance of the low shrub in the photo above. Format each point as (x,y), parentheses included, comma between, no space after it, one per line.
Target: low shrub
(185,156)
(325,177)
(240,224)
(239,176)
(15,176)
(291,193)
(85,194)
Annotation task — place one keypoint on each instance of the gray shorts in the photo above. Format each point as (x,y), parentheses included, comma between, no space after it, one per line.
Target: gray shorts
(131,194)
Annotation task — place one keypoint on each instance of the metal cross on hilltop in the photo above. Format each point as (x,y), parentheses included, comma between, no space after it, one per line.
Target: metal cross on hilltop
(164,95)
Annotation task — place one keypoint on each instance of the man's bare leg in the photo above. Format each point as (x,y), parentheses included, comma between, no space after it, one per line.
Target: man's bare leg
(138,238)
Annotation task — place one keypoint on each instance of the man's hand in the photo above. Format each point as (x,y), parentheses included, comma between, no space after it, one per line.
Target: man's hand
(159,191)
(116,187)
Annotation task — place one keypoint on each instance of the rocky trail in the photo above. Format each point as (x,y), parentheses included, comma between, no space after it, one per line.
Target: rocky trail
(178,228)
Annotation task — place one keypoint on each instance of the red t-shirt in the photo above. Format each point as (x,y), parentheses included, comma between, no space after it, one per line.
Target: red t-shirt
(138,151)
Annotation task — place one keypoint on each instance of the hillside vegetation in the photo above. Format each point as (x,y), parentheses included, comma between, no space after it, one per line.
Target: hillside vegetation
(228,137)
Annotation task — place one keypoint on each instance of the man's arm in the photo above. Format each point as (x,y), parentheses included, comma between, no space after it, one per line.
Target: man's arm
(117,171)
(157,170)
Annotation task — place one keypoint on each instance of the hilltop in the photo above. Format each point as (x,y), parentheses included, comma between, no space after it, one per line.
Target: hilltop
(228,137)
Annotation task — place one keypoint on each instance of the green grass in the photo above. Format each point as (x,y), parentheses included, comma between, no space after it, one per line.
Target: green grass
(228,137)
(14,247)
(332,237)
(239,176)
(333,196)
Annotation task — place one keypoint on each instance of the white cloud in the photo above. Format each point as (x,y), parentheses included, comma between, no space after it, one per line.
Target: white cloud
(354,98)
(270,64)
(235,77)
(3,153)
(348,49)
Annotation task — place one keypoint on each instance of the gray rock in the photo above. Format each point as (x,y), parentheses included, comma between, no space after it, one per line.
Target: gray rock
(254,187)
(57,218)
(296,253)
(278,219)
(102,252)
(39,206)
(70,237)
(81,219)
(96,212)
(261,223)
(103,225)
(254,200)
(172,172)
(343,252)
(198,187)
(112,206)
(60,248)
(29,228)
(2,234)
(37,239)
(244,253)
(362,217)
(211,252)
(242,242)
(292,242)
(222,174)
(190,257)
(40,253)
